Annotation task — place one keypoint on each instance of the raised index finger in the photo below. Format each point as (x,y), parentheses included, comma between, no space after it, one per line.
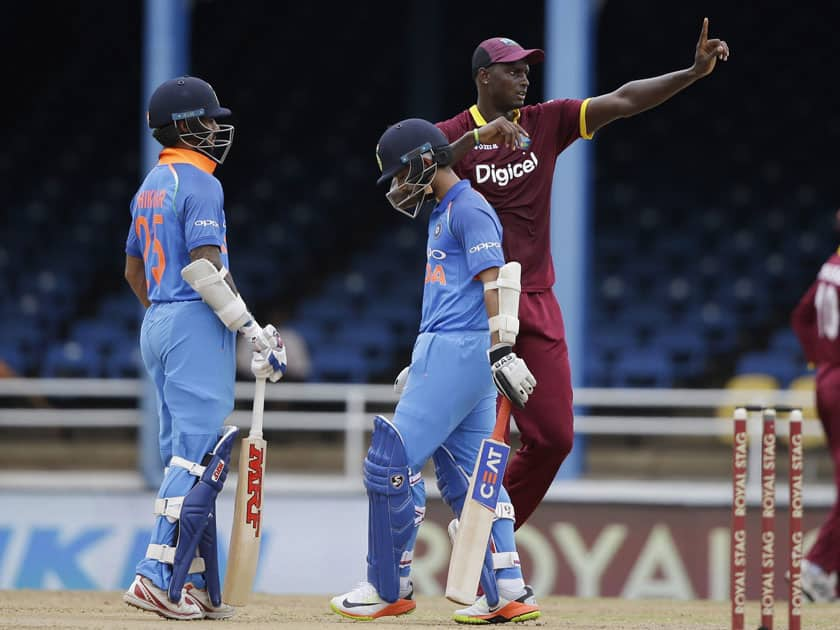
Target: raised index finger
(704,31)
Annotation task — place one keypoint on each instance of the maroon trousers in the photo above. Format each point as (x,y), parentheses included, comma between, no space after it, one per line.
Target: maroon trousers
(826,550)
(547,422)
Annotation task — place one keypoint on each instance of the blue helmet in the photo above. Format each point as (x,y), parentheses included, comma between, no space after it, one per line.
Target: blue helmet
(419,146)
(193,101)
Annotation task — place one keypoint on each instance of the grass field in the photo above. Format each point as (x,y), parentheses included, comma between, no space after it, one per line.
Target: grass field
(77,610)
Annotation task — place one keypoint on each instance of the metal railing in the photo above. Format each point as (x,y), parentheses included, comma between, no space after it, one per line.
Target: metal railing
(635,411)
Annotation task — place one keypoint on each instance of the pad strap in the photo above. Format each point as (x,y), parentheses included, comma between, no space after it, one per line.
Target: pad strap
(194,468)
(505,560)
(165,553)
(170,507)
(505,510)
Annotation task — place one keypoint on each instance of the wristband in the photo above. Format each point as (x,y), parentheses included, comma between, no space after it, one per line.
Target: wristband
(475,137)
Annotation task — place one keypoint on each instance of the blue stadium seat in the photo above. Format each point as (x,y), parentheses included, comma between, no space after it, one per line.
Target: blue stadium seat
(686,349)
(780,365)
(14,357)
(643,367)
(335,364)
(125,362)
(103,335)
(71,359)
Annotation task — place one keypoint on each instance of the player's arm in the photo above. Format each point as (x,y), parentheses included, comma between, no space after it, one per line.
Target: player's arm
(512,377)
(500,131)
(135,275)
(212,281)
(803,320)
(637,96)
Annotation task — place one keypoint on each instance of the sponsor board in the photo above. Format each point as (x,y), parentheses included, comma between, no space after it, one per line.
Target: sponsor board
(318,545)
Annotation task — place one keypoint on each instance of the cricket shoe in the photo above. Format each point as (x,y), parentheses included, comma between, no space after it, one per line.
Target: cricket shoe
(817,585)
(202,598)
(523,608)
(363,603)
(146,596)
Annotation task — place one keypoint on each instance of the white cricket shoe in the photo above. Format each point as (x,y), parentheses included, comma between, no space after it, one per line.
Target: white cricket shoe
(202,598)
(817,585)
(523,608)
(145,595)
(363,603)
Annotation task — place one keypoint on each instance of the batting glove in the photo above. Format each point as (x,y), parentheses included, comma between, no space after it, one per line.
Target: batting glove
(269,362)
(512,377)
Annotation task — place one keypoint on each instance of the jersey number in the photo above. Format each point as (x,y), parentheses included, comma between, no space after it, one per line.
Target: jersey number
(828,318)
(142,224)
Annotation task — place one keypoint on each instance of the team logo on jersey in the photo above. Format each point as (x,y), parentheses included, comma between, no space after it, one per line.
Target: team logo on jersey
(437,230)
(503,175)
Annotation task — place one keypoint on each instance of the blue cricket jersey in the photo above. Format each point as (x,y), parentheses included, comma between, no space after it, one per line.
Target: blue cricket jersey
(179,206)
(465,238)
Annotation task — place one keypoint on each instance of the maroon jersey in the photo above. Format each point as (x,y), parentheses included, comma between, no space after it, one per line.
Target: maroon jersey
(816,319)
(517,183)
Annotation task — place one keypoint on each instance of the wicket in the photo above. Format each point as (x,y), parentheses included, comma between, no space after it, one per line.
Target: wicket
(738,549)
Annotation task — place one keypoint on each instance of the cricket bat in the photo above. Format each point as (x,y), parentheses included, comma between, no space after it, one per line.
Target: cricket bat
(244,550)
(478,513)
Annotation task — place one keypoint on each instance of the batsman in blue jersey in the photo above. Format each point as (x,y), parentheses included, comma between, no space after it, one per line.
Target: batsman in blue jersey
(177,265)
(448,399)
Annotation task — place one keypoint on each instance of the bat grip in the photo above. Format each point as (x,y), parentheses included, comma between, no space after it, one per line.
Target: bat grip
(502,420)
(259,406)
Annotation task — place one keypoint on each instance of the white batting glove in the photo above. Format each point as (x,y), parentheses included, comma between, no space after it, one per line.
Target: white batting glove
(512,377)
(402,380)
(261,338)
(269,362)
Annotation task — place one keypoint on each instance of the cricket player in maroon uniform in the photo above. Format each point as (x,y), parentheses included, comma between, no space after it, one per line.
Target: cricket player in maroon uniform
(508,150)
(816,322)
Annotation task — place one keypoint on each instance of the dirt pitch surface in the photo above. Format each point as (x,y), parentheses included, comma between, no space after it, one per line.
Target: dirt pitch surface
(78,610)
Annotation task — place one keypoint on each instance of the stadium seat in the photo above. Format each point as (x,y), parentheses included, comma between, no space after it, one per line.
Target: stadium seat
(778,364)
(335,364)
(643,367)
(71,359)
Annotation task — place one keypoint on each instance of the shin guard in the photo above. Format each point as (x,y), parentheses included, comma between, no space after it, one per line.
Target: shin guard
(453,483)
(198,515)
(391,508)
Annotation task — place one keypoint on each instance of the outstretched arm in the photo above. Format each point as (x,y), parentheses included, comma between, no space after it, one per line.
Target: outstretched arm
(637,96)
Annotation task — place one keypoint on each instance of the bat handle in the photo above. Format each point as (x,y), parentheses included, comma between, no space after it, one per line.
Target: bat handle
(259,405)
(502,420)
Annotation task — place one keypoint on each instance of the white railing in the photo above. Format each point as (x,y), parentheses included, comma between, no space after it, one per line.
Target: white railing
(354,416)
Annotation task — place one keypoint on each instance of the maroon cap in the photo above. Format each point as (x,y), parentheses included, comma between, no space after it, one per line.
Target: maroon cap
(503,50)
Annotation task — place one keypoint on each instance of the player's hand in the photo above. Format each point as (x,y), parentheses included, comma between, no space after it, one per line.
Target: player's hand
(512,377)
(261,338)
(504,133)
(270,362)
(708,51)
(401,380)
